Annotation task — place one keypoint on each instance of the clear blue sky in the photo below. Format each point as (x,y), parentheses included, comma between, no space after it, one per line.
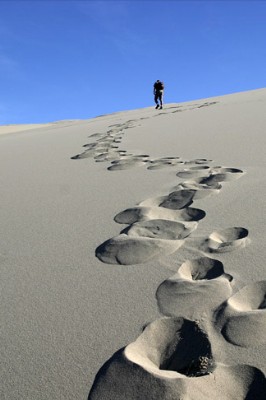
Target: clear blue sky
(79,59)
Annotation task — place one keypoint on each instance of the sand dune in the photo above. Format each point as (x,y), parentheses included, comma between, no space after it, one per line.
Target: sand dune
(132,254)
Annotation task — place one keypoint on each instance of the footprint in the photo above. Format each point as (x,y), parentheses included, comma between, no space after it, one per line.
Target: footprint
(126,250)
(193,172)
(173,359)
(198,161)
(116,125)
(96,150)
(161,229)
(179,351)
(96,135)
(142,213)
(178,199)
(217,175)
(223,174)
(201,190)
(164,162)
(225,240)
(212,182)
(167,159)
(125,164)
(199,286)
(176,111)
(173,347)
(108,156)
(207,104)
(90,146)
(242,318)
(168,108)
(86,154)
(142,156)
(159,165)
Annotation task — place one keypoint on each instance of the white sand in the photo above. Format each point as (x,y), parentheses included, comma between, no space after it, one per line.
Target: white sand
(4,129)
(64,312)
(16,128)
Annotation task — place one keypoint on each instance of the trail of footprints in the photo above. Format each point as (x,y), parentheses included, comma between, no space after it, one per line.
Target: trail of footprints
(173,357)
(105,146)
(161,224)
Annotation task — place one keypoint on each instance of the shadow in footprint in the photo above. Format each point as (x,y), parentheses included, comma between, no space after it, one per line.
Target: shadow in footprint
(224,174)
(178,199)
(125,164)
(225,240)
(164,162)
(173,345)
(201,190)
(172,358)
(198,161)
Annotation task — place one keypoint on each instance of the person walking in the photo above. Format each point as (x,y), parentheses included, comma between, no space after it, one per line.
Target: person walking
(158,89)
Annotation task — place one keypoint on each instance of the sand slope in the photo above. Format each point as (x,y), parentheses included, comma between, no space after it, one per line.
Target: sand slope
(132,254)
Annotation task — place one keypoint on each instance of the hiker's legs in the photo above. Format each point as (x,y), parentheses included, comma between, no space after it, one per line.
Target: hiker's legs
(161,98)
(156,96)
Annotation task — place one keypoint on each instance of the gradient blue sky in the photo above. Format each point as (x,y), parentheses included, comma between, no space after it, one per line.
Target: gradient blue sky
(79,59)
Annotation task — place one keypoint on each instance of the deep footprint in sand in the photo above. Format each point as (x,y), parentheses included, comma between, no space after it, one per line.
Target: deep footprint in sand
(210,181)
(125,164)
(142,213)
(127,161)
(201,282)
(96,149)
(203,182)
(176,200)
(85,154)
(198,161)
(224,174)
(126,250)
(173,345)
(225,240)
(90,146)
(242,318)
(194,172)
(161,229)
(108,156)
(164,162)
(201,190)
(213,177)
(173,359)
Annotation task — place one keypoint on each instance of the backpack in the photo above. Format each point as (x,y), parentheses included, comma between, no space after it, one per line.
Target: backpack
(159,85)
